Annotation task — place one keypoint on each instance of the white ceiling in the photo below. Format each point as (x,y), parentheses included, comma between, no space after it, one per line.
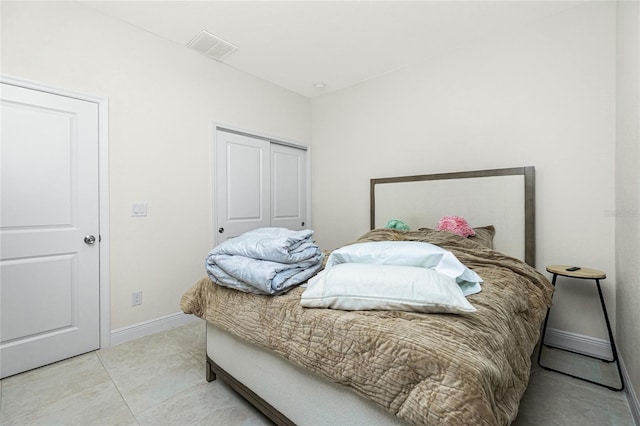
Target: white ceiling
(296,44)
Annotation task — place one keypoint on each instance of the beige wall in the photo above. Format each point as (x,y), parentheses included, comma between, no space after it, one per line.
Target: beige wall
(628,187)
(162,98)
(543,96)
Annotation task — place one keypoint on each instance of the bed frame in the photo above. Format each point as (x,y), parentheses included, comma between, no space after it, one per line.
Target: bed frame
(299,397)
(214,370)
(304,398)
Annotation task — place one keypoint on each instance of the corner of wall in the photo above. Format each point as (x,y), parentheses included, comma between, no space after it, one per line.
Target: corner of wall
(627,188)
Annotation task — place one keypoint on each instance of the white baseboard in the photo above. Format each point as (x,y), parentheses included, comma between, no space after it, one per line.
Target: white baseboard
(634,405)
(596,347)
(132,332)
(578,343)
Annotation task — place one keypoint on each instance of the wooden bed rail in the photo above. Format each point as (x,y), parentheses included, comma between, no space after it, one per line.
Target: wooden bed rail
(214,370)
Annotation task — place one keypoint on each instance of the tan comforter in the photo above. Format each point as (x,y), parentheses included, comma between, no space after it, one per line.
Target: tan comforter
(435,369)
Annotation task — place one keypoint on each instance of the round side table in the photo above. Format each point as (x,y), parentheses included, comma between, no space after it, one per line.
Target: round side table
(586,274)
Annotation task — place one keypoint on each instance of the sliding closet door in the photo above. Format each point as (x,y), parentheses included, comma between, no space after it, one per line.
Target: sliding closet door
(259,183)
(243,190)
(288,187)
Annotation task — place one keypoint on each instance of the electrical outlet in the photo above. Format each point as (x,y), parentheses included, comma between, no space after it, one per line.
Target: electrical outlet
(139,209)
(136,298)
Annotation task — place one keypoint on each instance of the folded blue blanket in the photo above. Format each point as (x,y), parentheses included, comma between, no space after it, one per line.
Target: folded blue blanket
(265,260)
(260,276)
(275,244)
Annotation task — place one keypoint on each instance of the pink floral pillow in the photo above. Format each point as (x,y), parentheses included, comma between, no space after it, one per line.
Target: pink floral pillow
(455,224)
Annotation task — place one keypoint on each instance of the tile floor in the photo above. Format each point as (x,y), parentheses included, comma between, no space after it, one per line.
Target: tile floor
(555,399)
(160,380)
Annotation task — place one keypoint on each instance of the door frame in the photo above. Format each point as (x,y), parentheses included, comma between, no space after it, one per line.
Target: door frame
(214,127)
(103,191)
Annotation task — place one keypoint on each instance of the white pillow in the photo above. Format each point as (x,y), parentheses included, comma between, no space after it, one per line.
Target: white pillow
(358,286)
(408,253)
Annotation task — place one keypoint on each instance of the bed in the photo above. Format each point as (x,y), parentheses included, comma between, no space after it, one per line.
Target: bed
(326,366)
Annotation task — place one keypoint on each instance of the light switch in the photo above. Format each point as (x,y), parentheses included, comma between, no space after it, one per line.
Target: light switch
(138,209)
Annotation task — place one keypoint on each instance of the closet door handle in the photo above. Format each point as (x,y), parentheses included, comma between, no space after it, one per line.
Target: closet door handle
(220,230)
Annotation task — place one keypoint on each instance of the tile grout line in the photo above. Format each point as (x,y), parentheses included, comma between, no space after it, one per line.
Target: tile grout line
(42,405)
(186,354)
(115,385)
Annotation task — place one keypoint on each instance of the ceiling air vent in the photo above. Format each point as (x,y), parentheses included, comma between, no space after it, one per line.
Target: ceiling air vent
(212,46)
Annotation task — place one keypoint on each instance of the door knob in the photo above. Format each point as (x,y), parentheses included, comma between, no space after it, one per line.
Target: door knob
(89,239)
(220,230)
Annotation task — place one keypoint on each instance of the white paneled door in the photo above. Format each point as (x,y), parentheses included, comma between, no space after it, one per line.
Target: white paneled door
(49,228)
(242,184)
(288,187)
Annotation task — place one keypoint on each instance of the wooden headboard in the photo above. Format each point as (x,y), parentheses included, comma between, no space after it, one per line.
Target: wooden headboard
(504,198)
